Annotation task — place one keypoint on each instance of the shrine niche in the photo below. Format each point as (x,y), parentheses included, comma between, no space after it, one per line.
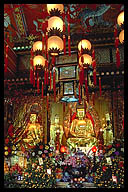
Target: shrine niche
(83,128)
(29,123)
(79,127)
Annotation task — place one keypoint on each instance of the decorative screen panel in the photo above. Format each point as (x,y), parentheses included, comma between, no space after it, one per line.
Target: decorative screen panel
(67,72)
(68,88)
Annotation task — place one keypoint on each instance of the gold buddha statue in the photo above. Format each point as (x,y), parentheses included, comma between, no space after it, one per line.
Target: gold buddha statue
(81,132)
(33,131)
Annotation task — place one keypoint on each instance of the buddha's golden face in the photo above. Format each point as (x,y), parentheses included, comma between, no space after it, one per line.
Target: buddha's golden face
(57,119)
(80,113)
(33,118)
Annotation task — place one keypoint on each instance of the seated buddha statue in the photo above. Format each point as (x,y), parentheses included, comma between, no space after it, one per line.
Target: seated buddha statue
(33,132)
(81,132)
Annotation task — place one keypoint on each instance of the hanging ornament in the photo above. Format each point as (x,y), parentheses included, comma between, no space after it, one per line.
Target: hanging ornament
(117,58)
(94,63)
(81,76)
(116,42)
(53,60)
(79,93)
(93,54)
(45,76)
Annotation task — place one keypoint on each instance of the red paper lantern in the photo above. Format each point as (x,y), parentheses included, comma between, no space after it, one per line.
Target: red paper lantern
(94,149)
(63,149)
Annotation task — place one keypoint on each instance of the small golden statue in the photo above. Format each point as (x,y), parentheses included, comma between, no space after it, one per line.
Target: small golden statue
(56,131)
(33,131)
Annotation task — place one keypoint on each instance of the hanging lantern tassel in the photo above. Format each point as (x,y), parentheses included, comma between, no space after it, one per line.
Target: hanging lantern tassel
(53,60)
(93,98)
(116,42)
(38,85)
(79,93)
(94,63)
(93,54)
(117,58)
(42,90)
(69,46)
(86,88)
(54,84)
(50,79)
(100,85)
(94,76)
(82,75)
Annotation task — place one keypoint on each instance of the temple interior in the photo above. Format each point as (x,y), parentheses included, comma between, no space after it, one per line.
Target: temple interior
(63,96)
